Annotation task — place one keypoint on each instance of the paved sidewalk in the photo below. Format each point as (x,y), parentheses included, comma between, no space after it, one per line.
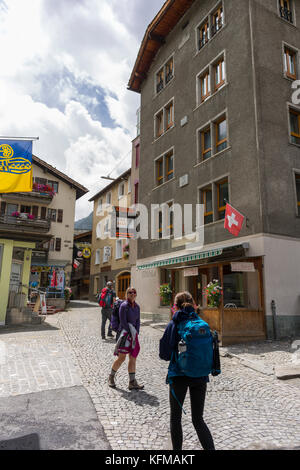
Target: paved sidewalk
(43,403)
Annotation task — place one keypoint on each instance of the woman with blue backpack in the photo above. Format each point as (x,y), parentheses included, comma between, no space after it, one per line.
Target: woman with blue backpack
(188,344)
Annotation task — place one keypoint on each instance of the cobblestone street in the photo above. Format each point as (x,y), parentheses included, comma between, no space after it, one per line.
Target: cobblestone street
(245,409)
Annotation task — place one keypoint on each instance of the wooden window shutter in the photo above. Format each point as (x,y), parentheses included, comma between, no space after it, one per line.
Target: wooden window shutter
(43,213)
(60,215)
(2,207)
(35,211)
(58,244)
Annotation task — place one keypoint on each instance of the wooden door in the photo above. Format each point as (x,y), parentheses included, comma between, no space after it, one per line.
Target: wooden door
(123,284)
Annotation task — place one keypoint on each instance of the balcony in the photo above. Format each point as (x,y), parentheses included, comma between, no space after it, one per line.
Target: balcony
(14,225)
(286,14)
(35,197)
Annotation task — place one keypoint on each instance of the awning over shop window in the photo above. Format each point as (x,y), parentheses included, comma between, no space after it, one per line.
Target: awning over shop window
(182,259)
(225,250)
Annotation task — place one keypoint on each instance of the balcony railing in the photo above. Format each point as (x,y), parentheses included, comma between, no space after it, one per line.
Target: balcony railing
(286,14)
(33,197)
(9,222)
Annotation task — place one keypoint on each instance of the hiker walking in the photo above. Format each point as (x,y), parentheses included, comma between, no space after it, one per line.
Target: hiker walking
(128,341)
(106,302)
(183,372)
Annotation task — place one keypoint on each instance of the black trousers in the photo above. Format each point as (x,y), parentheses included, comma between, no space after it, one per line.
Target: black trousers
(197,388)
(106,316)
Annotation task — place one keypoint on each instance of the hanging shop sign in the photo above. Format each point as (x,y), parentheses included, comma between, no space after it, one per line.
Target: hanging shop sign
(86,253)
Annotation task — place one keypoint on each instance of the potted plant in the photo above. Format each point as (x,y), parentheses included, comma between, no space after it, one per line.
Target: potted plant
(68,293)
(126,251)
(165,292)
(213,294)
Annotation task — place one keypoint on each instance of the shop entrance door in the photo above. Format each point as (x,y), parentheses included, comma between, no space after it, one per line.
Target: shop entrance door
(123,284)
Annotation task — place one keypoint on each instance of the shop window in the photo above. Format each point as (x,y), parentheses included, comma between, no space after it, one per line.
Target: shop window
(290,63)
(295,126)
(240,289)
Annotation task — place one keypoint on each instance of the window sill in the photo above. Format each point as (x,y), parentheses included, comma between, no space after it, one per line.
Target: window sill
(163,184)
(211,96)
(215,155)
(295,145)
(287,21)
(210,39)
(156,139)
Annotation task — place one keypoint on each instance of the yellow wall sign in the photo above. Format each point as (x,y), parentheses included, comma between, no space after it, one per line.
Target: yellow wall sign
(86,253)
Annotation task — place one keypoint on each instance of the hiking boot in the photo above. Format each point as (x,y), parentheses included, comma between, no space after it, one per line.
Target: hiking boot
(111,381)
(133,385)
(110,335)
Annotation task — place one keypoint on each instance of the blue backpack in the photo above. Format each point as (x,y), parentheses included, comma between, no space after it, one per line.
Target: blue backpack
(195,356)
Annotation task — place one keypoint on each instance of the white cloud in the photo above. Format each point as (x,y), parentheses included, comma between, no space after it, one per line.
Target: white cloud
(57,50)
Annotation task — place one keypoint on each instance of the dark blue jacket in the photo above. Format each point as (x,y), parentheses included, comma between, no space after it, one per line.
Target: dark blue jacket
(169,342)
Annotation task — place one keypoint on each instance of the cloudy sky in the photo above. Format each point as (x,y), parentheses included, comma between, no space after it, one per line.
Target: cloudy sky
(65,65)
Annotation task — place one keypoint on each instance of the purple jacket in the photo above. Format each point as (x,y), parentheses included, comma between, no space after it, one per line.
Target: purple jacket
(129,314)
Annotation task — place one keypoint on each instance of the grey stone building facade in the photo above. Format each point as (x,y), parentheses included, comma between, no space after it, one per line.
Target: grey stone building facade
(218,124)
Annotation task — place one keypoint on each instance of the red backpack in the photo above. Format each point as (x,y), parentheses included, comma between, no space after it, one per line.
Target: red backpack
(103,302)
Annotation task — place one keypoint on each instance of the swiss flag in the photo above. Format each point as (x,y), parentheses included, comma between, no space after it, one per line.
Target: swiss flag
(233,220)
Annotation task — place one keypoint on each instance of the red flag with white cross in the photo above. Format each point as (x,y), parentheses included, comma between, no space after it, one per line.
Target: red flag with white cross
(233,220)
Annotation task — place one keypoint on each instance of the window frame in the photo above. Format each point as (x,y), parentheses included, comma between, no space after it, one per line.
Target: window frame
(206,79)
(208,24)
(169,123)
(292,134)
(290,10)
(162,78)
(204,192)
(169,156)
(297,177)
(287,50)
(202,138)
(219,65)
(159,178)
(217,142)
(221,208)
(119,249)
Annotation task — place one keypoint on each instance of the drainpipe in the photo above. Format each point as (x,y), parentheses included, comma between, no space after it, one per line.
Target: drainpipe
(273,308)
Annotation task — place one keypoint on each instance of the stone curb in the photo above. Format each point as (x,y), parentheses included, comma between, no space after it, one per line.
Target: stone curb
(258,366)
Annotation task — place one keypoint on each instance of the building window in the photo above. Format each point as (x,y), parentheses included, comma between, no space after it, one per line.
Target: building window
(136,193)
(285,10)
(169,70)
(164,168)
(60,214)
(203,34)
(52,244)
(97,257)
(205,137)
(295,126)
(100,203)
(290,63)
(118,249)
(58,244)
(169,112)
(137,155)
(219,74)
(217,20)
(121,190)
(221,134)
(205,86)
(159,171)
(297,176)
(169,165)
(108,198)
(159,123)
(222,190)
(52,215)
(26,209)
(208,205)
(54,185)
(165,75)
(11,208)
